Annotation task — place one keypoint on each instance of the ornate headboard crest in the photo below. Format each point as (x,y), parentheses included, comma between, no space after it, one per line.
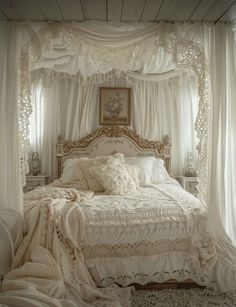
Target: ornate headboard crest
(91,144)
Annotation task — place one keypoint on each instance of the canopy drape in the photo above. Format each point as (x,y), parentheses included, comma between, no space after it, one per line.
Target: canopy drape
(219,47)
(9,129)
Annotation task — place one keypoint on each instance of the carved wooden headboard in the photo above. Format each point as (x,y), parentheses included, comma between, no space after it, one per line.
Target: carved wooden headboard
(108,140)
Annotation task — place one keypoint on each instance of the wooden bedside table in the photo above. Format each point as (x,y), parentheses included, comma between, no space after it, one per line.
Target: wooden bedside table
(35,181)
(188,183)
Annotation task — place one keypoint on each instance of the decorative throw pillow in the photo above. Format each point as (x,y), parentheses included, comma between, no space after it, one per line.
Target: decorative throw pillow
(92,181)
(115,177)
(72,173)
(159,174)
(145,165)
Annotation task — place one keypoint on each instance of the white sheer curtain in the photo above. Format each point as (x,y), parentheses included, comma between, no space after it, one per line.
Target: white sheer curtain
(222,175)
(219,47)
(71,107)
(10,184)
(168,107)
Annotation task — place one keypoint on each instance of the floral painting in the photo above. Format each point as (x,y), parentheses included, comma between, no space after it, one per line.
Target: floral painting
(114,106)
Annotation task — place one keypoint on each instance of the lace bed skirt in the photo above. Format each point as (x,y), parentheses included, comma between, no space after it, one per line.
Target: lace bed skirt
(146,269)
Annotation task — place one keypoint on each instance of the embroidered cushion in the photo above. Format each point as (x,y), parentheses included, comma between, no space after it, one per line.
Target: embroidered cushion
(92,181)
(115,177)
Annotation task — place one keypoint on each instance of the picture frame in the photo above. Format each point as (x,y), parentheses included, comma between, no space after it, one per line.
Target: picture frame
(114,106)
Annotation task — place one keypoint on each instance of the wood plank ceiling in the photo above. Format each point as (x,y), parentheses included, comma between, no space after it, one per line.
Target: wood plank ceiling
(119,10)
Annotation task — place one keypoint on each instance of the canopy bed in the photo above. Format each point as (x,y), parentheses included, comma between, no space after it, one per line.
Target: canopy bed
(128,237)
(81,231)
(143,229)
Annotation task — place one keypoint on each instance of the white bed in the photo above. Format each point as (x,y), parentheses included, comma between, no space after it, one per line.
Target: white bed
(151,236)
(147,231)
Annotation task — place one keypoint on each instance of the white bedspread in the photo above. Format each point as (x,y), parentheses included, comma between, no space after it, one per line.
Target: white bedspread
(146,214)
(123,240)
(152,236)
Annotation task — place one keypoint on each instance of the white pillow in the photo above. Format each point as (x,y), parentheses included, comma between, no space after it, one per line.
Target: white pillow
(145,165)
(72,173)
(69,172)
(159,172)
(115,177)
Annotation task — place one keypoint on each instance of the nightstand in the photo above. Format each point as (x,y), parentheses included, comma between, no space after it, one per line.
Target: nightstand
(34,181)
(188,183)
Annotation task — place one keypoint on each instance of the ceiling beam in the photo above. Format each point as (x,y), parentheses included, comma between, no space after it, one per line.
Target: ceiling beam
(132,10)
(114,10)
(49,9)
(122,10)
(3,15)
(82,8)
(216,9)
(194,10)
(159,10)
(141,15)
(10,11)
(36,3)
(225,12)
(106,10)
(119,10)
(60,10)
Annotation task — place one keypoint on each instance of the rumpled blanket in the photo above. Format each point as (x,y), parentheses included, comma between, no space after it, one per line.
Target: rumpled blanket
(48,268)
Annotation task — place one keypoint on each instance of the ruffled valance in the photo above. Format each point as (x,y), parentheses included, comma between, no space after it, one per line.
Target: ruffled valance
(73,48)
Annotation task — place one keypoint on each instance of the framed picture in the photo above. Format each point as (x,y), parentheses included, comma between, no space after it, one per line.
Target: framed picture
(114,106)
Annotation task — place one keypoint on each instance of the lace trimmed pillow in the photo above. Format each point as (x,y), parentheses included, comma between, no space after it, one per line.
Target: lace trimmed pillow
(116,178)
(86,164)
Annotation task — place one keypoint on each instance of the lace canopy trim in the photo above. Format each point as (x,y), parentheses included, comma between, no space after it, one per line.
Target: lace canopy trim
(76,41)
